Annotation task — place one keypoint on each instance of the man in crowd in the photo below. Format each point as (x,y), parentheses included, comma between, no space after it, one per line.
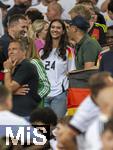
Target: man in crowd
(19,71)
(87,49)
(17,26)
(105,103)
(6,117)
(20,7)
(9,119)
(54,11)
(88,110)
(106,62)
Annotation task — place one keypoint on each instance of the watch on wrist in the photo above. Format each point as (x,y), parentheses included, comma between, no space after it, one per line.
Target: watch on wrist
(6,70)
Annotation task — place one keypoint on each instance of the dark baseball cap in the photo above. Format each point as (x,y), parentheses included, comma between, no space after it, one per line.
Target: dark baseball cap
(2,5)
(80,22)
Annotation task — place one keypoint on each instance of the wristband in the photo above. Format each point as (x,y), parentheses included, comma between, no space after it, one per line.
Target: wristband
(6,70)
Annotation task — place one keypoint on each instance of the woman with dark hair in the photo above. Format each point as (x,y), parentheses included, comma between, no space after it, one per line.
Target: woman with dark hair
(58,59)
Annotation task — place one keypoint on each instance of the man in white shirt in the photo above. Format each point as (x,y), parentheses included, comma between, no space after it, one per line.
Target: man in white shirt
(105,103)
(88,110)
(85,114)
(7,117)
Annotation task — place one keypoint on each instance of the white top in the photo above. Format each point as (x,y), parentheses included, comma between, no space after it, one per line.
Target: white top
(65,16)
(34,2)
(1,24)
(95,130)
(9,118)
(67,5)
(85,115)
(53,144)
(100,2)
(57,70)
(8,2)
(40,7)
(95,142)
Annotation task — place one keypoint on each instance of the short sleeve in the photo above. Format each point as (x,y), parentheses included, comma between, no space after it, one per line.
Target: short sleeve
(91,51)
(24,73)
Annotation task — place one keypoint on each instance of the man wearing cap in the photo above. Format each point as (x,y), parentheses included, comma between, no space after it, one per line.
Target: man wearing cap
(87,49)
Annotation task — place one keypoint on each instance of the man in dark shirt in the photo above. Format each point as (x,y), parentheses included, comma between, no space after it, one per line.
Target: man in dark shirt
(106,63)
(17,26)
(19,71)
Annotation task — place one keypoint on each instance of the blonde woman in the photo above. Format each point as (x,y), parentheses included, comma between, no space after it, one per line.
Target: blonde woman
(40,28)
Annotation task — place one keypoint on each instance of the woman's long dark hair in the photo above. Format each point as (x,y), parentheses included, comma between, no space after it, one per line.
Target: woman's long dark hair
(63,43)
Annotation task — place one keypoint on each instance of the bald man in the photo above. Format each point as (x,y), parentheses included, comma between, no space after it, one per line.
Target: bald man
(54,11)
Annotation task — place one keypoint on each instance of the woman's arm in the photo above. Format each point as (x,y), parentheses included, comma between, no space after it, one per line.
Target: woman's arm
(44,85)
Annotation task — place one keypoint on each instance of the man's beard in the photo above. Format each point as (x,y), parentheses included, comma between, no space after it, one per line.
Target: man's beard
(20,35)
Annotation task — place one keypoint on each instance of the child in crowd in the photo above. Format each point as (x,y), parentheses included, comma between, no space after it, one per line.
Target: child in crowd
(44,116)
(62,123)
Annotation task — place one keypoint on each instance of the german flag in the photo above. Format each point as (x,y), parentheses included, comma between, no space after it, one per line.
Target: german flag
(78,87)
